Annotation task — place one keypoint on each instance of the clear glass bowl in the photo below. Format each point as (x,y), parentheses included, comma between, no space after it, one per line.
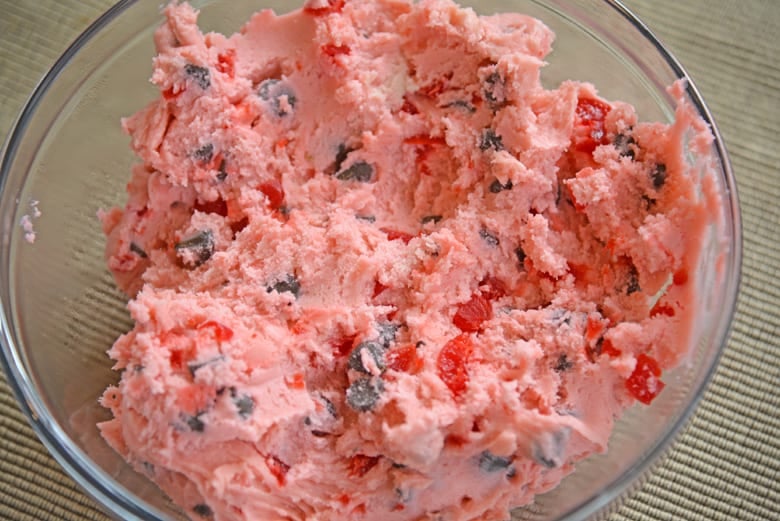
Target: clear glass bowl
(61,311)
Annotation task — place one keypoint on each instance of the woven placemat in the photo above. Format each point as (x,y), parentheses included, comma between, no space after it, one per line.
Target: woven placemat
(726,464)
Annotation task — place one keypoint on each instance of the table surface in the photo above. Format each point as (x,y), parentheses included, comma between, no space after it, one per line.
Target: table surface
(726,463)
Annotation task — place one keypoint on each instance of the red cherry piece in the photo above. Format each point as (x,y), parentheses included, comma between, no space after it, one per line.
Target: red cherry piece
(221,333)
(360,464)
(278,468)
(609,349)
(274,191)
(472,314)
(226,62)
(644,383)
(590,130)
(451,364)
(424,139)
(218,207)
(493,287)
(333,50)
(334,6)
(404,359)
(396,234)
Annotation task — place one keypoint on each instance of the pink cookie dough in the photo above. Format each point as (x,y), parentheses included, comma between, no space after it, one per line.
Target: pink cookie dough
(378,272)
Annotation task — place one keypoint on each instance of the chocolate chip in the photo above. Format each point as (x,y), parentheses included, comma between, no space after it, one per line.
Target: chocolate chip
(341,156)
(197,249)
(195,423)
(200,75)
(430,219)
(387,333)
(359,171)
(548,450)
(194,366)
(563,363)
(520,254)
(138,250)
(658,176)
(289,284)
(222,173)
(493,83)
(272,91)
(489,238)
(489,462)
(204,154)
(245,404)
(364,393)
(366,218)
(203,510)
(496,186)
(633,281)
(461,104)
(374,350)
(491,140)
(623,144)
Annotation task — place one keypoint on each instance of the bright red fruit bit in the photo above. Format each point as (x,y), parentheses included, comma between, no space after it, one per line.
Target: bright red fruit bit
(609,349)
(493,287)
(219,207)
(662,309)
(644,383)
(396,234)
(590,130)
(333,50)
(278,468)
(221,333)
(226,62)
(343,346)
(424,139)
(274,191)
(332,6)
(451,364)
(404,359)
(472,314)
(360,464)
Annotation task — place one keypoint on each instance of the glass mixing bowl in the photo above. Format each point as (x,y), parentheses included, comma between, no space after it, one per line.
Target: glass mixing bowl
(61,311)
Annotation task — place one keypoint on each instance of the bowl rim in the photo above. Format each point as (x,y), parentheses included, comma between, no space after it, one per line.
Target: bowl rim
(113,498)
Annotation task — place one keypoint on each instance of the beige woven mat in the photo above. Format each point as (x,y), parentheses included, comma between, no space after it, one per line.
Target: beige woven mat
(726,465)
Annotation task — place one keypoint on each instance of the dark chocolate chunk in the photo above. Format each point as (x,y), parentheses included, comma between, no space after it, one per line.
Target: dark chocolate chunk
(489,462)
(563,363)
(222,173)
(194,366)
(520,254)
(245,404)
(658,176)
(203,510)
(200,75)
(341,156)
(289,284)
(359,171)
(272,91)
(496,186)
(461,104)
(430,219)
(138,250)
(366,218)
(204,154)
(374,350)
(489,238)
(494,84)
(549,449)
(364,393)
(491,140)
(197,249)
(387,333)
(195,423)
(623,143)
(633,281)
